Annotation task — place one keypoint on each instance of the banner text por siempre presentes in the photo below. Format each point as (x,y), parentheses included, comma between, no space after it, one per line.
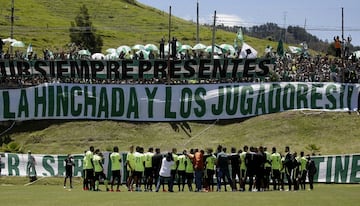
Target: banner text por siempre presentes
(330,169)
(139,69)
(172,102)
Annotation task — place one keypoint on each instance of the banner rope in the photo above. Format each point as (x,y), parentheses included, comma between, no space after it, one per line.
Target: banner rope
(201,132)
(8,129)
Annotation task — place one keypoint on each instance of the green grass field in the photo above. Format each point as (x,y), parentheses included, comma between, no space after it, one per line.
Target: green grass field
(51,192)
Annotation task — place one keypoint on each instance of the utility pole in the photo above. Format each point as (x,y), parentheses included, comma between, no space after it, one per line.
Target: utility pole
(342,23)
(285,13)
(213,36)
(169,46)
(197,22)
(342,46)
(12,25)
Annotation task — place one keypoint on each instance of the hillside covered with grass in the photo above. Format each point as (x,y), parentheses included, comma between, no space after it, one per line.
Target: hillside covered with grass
(45,24)
(331,133)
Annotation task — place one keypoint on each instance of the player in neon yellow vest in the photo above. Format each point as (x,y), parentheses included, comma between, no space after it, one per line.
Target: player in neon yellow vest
(115,159)
(149,171)
(174,167)
(99,171)
(189,170)
(303,171)
(89,169)
(275,158)
(181,171)
(267,167)
(139,167)
(210,162)
(130,166)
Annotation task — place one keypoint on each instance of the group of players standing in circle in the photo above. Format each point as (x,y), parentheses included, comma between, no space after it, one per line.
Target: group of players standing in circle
(254,166)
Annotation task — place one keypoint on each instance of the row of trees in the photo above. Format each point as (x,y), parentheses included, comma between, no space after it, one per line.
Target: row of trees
(292,35)
(83,34)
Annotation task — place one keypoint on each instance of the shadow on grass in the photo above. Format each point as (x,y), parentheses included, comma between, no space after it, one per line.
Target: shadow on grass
(37,125)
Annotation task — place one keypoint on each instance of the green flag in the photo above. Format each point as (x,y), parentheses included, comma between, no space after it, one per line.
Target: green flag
(280,48)
(240,36)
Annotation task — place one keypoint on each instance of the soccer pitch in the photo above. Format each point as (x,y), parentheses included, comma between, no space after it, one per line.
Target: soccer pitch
(45,195)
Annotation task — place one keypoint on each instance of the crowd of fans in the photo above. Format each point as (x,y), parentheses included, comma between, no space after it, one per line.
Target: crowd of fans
(289,67)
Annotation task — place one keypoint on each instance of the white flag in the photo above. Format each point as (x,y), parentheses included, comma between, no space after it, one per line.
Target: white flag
(247,52)
(29,49)
(294,49)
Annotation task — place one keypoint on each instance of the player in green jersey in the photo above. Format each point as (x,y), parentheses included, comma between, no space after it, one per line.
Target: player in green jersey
(99,170)
(115,159)
(139,167)
(303,171)
(149,172)
(275,159)
(89,169)
(175,165)
(210,163)
(181,171)
(189,170)
(267,169)
(130,166)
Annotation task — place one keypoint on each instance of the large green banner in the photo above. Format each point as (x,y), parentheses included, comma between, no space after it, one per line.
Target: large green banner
(331,169)
(159,102)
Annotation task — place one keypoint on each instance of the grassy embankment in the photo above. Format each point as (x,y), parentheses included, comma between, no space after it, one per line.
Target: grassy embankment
(334,133)
(46,24)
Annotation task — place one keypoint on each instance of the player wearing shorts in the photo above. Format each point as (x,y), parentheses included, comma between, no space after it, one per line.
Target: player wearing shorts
(69,164)
(243,168)
(175,165)
(149,172)
(210,162)
(156,162)
(139,167)
(275,158)
(235,166)
(115,159)
(189,171)
(181,171)
(89,169)
(99,171)
(130,165)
